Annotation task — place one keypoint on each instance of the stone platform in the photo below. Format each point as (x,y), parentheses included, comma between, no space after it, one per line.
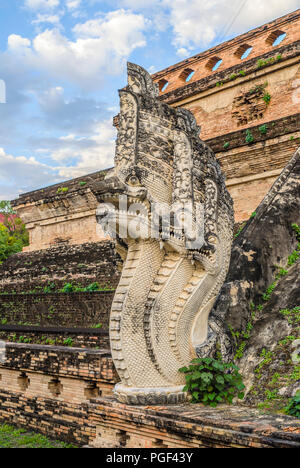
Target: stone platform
(66,393)
(191,426)
(104,423)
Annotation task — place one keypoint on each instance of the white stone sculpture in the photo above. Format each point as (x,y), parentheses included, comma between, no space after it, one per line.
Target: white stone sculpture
(172,273)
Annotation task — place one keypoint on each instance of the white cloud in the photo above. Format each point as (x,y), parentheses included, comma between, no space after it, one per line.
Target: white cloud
(100,47)
(51,19)
(73,4)
(41,4)
(198,23)
(17,43)
(74,157)
(19,174)
(138,4)
(182,52)
(92,154)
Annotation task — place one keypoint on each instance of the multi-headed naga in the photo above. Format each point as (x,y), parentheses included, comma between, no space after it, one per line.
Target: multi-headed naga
(167,206)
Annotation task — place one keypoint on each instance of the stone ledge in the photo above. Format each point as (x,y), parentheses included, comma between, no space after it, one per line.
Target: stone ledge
(51,192)
(54,330)
(96,365)
(199,426)
(276,128)
(74,337)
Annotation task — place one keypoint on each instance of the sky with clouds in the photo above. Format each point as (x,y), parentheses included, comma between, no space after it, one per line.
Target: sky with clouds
(63,61)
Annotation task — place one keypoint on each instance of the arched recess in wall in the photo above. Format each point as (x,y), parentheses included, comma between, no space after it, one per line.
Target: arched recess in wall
(243,51)
(187,74)
(163,84)
(214,63)
(275,38)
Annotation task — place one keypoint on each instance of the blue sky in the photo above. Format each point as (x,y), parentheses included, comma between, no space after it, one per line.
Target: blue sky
(64,60)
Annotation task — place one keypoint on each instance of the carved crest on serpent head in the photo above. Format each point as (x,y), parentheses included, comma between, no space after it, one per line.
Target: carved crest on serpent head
(174,269)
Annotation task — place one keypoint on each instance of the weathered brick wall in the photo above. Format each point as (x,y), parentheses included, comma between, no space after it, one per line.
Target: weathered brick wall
(229,101)
(64,421)
(252,169)
(258,38)
(58,309)
(66,394)
(62,213)
(78,338)
(236,105)
(103,423)
(86,364)
(80,264)
(286,126)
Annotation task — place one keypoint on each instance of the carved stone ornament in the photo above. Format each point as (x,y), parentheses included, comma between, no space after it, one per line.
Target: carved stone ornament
(171,274)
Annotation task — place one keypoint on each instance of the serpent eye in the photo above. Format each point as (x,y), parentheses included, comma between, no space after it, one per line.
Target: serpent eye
(133,180)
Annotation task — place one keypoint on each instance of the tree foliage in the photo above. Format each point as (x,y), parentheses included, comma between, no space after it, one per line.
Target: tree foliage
(13,233)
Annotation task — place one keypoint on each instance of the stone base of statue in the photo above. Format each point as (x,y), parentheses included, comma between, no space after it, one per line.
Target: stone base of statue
(150,396)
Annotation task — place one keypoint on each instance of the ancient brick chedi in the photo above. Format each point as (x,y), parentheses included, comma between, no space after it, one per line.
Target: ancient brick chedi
(258,92)
(172,272)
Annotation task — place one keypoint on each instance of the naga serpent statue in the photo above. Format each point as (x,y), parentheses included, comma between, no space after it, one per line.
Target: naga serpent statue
(171,275)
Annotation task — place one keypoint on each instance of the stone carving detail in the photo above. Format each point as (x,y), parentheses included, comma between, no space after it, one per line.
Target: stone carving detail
(169,281)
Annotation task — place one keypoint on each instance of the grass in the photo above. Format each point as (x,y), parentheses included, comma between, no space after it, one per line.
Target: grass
(10,437)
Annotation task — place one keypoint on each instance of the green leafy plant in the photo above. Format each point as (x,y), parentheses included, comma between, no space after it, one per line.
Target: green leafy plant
(249,137)
(68,288)
(263,129)
(240,230)
(240,351)
(292,315)
(267,98)
(226,145)
(263,63)
(82,183)
(62,190)
(68,342)
(242,72)
(293,407)
(92,287)
(282,272)
(266,296)
(211,381)
(293,257)
(49,288)
(99,325)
